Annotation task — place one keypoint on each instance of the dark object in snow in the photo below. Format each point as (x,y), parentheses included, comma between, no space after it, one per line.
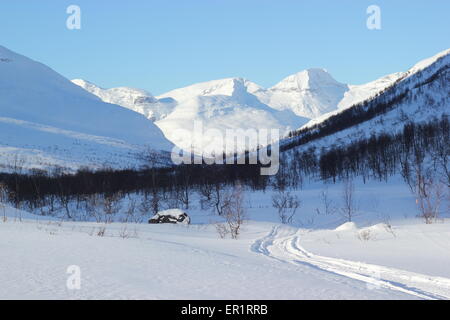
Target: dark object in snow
(174,216)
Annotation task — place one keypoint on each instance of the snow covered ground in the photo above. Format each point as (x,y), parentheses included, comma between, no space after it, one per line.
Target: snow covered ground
(318,257)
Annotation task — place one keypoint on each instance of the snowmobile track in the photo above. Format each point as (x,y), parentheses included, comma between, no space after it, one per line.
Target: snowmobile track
(283,244)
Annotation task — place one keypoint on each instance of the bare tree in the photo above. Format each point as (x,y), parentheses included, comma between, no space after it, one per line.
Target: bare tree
(222,230)
(130,212)
(64,200)
(101,231)
(171,200)
(16,166)
(205,191)
(93,203)
(427,188)
(348,211)
(152,159)
(233,212)
(213,197)
(3,199)
(327,203)
(429,196)
(111,206)
(145,207)
(286,205)
(150,202)
(124,233)
(441,156)
(365,235)
(184,193)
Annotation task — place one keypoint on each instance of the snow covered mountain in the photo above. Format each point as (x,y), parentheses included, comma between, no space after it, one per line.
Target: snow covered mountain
(419,95)
(360,93)
(137,100)
(309,93)
(237,103)
(314,92)
(46,120)
(221,105)
(305,98)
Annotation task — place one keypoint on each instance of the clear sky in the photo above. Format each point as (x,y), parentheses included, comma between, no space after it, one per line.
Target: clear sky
(162,45)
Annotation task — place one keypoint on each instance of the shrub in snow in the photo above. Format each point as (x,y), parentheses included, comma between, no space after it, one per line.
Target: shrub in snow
(233,212)
(286,205)
(365,235)
(3,199)
(175,216)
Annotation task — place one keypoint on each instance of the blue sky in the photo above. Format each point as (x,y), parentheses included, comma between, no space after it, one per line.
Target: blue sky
(162,45)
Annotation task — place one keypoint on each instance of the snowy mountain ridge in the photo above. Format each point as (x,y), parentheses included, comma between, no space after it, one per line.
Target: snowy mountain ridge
(421,95)
(57,122)
(308,93)
(134,99)
(300,100)
(221,105)
(361,93)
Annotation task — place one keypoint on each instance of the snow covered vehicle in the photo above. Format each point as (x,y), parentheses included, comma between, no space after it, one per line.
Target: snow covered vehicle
(175,216)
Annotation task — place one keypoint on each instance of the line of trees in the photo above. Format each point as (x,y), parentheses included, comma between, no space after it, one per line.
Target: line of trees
(383,102)
(39,188)
(419,152)
(387,154)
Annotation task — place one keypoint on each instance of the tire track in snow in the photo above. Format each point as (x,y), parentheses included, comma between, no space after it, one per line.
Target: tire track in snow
(282,244)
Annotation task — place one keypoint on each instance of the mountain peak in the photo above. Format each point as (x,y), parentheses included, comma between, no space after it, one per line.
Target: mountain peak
(307,79)
(89,86)
(85,84)
(220,87)
(138,100)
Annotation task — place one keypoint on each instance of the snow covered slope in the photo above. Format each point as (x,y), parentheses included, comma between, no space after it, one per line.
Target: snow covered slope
(239,103)
(236,103)
(137,100)
(360,93)
(219,104)
(309,93)
(163,262)
(421,94)
(222,104)
(43,114)
(314,92)
(322,259)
